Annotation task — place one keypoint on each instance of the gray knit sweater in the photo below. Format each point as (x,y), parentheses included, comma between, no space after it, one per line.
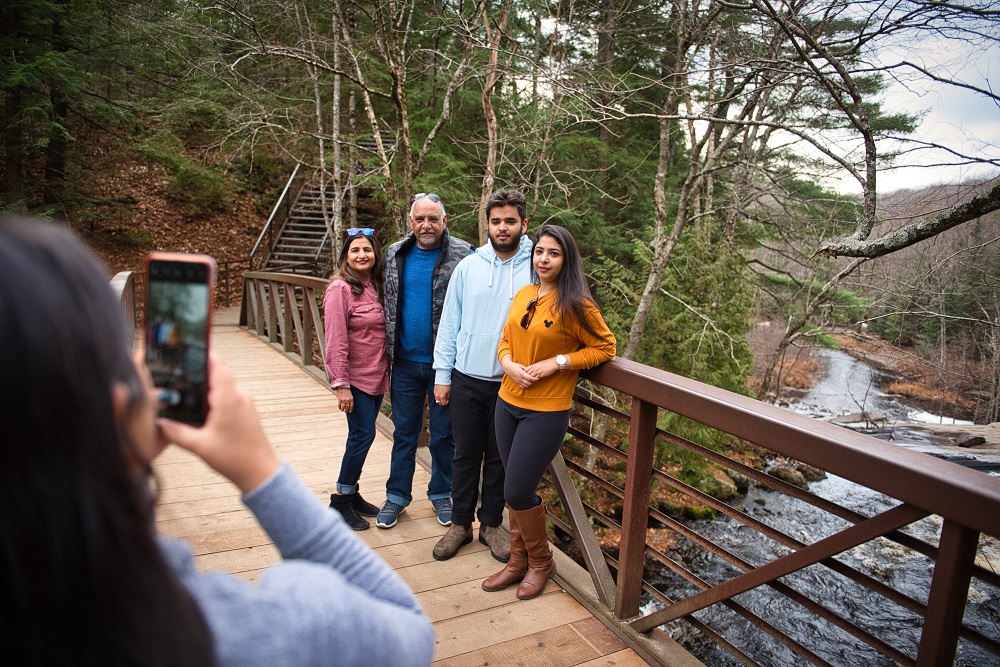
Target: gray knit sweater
(331,601)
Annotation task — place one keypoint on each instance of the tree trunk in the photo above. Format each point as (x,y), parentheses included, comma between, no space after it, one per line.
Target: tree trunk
(338,183)
(490,81)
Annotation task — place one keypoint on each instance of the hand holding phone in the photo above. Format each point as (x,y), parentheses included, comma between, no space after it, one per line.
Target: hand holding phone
(179,291)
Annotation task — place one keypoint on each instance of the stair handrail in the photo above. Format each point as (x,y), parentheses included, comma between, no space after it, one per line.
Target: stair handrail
(274,212)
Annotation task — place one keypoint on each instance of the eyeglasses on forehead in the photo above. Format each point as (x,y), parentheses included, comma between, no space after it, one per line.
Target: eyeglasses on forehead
(529,313)
(364,231)
(430,195)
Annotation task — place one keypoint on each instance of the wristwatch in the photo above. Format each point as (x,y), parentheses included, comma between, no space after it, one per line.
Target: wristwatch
(562,361)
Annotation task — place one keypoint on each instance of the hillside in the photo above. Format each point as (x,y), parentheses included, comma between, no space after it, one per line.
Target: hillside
(134,213)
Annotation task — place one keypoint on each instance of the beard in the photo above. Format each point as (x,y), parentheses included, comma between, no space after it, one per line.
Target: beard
(512,244)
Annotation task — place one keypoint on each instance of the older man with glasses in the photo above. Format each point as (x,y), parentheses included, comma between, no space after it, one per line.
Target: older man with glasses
(417,271)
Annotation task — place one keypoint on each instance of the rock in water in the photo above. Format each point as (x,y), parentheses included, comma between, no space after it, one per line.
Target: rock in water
(970,441)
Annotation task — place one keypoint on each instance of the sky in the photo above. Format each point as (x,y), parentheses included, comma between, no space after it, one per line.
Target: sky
(962,119)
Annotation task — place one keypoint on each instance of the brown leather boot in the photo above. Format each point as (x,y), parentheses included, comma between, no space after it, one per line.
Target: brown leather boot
(536,543)
(516,566)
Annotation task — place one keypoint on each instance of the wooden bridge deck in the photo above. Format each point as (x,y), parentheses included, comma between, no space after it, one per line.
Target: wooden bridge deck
(301,418)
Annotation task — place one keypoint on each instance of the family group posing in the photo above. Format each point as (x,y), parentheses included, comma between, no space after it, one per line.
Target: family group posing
(493,339)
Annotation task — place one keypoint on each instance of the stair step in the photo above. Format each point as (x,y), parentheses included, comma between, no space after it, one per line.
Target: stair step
(305,230)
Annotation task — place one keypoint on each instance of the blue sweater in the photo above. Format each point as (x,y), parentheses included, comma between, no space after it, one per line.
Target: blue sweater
(331,601)
(475,310)
(416,341)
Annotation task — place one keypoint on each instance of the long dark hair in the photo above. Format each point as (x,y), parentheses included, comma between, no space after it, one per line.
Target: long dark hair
(352,277)
(82,580)
(573,297)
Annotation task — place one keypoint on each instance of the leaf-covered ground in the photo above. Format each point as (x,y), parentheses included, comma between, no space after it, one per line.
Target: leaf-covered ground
(134,213)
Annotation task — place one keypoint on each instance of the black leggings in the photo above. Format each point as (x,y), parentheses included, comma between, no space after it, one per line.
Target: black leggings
(528,441)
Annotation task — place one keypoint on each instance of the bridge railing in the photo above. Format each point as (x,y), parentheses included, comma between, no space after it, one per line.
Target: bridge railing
(286,310)
(890,582)
(124,285)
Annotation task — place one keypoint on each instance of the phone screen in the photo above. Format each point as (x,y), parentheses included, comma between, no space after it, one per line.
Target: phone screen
(178,303)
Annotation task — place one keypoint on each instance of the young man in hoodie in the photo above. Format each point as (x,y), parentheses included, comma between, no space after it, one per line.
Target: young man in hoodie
(465,359)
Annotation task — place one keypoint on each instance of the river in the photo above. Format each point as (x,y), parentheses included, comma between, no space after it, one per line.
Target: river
(848,386)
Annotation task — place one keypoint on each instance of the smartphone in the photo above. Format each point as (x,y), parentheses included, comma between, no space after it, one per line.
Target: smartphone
(179,292)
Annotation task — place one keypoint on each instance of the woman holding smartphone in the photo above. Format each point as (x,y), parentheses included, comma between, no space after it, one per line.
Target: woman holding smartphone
(84,578)
(554,329)
(356,361)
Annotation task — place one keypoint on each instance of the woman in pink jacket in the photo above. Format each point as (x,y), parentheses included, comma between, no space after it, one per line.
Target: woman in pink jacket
(356,362)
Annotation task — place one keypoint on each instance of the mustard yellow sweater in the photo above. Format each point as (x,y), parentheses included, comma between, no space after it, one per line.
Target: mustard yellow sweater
(548,335)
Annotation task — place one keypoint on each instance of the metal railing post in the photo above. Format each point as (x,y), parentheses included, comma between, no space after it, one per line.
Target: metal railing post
(635,513)
(948,595)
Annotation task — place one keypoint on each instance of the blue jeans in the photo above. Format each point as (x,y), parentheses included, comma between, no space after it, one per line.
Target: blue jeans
(360,435)
(412,382)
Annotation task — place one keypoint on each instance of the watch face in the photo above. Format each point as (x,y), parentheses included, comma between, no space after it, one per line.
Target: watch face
(561,360)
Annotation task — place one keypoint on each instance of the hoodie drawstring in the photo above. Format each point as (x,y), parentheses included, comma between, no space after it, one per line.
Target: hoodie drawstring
(510,274)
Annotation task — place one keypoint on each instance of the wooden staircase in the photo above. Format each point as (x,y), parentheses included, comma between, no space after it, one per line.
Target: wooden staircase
(303,244)
(295,238)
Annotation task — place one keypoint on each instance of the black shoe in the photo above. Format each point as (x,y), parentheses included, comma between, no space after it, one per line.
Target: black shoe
(362,506)
(343,504)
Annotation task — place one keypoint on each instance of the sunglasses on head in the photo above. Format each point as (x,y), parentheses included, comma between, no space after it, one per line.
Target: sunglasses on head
(430,195)
(529,313)
(363,231)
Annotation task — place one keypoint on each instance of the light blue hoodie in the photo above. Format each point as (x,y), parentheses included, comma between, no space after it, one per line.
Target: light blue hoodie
(475,310)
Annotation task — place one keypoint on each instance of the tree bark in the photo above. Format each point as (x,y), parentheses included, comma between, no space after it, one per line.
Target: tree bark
(859,245)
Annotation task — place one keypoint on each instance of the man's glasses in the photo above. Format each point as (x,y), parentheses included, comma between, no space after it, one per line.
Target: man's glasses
(364,231)
(430,195)
(529,313)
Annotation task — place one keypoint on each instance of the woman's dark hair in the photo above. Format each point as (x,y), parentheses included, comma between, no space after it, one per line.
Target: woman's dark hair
(82,580)
(573,297)
(352,277)
(502,198)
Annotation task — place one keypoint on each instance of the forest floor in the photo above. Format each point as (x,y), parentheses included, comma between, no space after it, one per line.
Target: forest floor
(135,213)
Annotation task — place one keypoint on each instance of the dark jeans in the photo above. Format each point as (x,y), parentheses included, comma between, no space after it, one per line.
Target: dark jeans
(360,435)
(412,382)
(473,411)
(528,441)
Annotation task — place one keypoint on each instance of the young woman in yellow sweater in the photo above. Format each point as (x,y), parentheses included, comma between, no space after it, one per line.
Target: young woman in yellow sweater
(554,329)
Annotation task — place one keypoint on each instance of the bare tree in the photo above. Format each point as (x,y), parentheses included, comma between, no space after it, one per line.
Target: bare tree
(491,78)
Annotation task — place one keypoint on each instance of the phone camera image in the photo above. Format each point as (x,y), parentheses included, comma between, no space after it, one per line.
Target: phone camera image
(178,306)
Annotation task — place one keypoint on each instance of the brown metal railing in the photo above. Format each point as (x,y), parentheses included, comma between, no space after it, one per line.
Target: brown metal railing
(926,627)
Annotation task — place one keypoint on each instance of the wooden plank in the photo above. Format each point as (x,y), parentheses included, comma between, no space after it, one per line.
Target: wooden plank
(464,598)
(624,658)
(414,552)
(555,647)
(497,625)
